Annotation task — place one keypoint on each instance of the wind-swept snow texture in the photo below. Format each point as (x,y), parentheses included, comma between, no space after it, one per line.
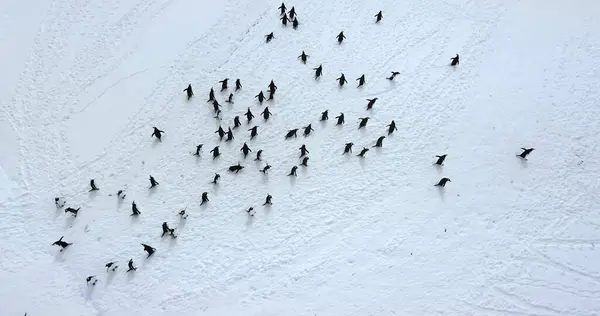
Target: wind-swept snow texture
(83,82)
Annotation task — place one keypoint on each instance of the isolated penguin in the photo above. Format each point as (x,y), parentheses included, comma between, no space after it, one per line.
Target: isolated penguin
(318,71)
(130,266)
(307,129)
(251,211)
(340,119)
(91,278)
(292,132)
(363,152)
(204,198)
(379,16)
(455,60)
(230,99)
(224,84)
(253,132)
(282,8)
(198,149)
(158,133)
(73,211)
(110,265)
(93,186)
(265,168)
(303,151)
(238,84)
(361,80)
(266,113)
(371,103)
(293,171)
(258,154)
(271,95)
(229,135)
(525,152)
(363,122)
(216,178)
(304,162)
(303,57)
(325,115)
(348,148)
(167,230)
(149,249)
(245,149)
(61,243)
(182,214)
(215,152)
(189,91)
(443,182)
(268,200)
(260,96)
(394,74)
(221,132)
(272,86)
(134,209)
(236,122)
(269,37)
(236,168)
(342,80)
(153,182)
(340,37)
(379,142)
(392,127)
(440,159)
(211,95)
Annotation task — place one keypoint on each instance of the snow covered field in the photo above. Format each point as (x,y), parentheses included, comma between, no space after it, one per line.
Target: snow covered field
(84,81)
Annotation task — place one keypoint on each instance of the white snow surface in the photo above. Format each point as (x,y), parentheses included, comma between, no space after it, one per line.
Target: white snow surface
(84,81)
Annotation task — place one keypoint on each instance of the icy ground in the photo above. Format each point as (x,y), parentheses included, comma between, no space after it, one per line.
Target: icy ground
(84,81)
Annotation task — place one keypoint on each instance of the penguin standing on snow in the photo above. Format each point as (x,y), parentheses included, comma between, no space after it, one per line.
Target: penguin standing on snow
(229,134)
(245,149)
(158,133)
(303,151)
(131,266)
(134,209)
(216,178)
(258,154)
(363,152)
(272,87)
(325,115)
(304,162)
(284,19)
(216,106)
(236,122)
(224,84)
(72,211)
(292,13)
(215,152)
(249,116)
(348,148)
(342,80)
(455,61)
(293,171)
(211,95)
(379,142)
(204,198)
(251,211)
(440,159)
(268,200)
(292,132)
(149,249)
(265,169)
(394,74)
(363,122)
(91,278)
(340,119)
(111,264)
(189,91)
(269,37)
(260,96)
(230,99)
(525,152)
(199,148)
(93,186)
(379,16)
(392,127)
(361,80)
(318,71)
(371,103)
(167,230)
(307,129)
(295,24)
(282,8)
(442,182)
(266,113)
(236,168)
(238,84)
(153,182)
(61,243)
(340,37)
(303,57)
(253,132)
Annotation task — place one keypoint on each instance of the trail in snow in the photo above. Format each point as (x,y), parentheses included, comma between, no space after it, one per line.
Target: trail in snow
(347,236)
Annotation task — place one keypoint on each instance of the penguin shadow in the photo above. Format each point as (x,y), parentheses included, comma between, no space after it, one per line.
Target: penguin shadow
(57,213)
(59,256)
(249,220)
(304,170)
(151,191)
(130,275)
(438,167)
(182,223)
(109,278)
(120,202)
(156,142)
(264,179)
(524,164)
(69,221)
(361,162)
(377,150)
(267,208)
(441,192)
(172,242)
(292,180)
(89,291)
(135,219)
(216,188)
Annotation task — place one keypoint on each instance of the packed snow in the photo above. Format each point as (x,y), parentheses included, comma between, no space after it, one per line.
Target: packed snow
(84,82)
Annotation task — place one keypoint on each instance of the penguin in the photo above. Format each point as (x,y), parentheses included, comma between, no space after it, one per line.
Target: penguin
(340,119)
(272,86)
(189,91)
(442,182)
(363,152)
(249,115)
(216,178)
(260,96)
(167,230)
(342,80)
(340,37)
(199,148)
(245,149)
(134,209)
(110,265)
(182,214)
(266,113)
(251,211)
(440,159)
(363,122)
(292,132)
(304,162)
(371,103)
(379,142)
(325,115)
(318,71)
(230,99)
(158,133)
(236,168)
(258,154)
(216,106)
(253,132)
(292,12)
(348,148)
(204,198)
(215,152)
(392,127)
(268,200)
(236,122)
(91,278)
(229,134)
(293,171)
(72,210)
(284,19)
(295,24)
(61,243)
(455,61)
(525,153)
(224,84)
(379,16)
(153,182)
(303,57)
(394,74)
(282,8)
(238,84)
(149,249)
(211,95)
(303,151)
(269,37)
(130,265)
(93,186)
(265,169)
(307,129)
(361,80)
